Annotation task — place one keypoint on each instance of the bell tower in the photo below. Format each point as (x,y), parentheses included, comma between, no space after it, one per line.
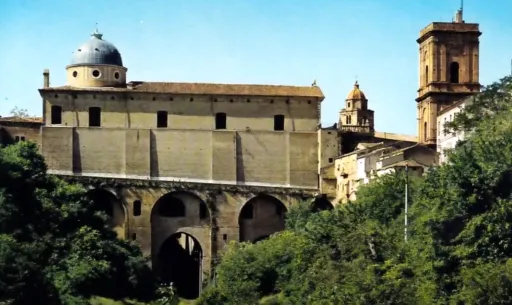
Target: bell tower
(356,117)
(449,57)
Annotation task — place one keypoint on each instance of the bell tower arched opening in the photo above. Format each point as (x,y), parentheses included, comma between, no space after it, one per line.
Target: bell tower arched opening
(454,72)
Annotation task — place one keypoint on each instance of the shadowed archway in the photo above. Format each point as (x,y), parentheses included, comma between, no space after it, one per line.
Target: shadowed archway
(180,205)
(176,217)
(180,263)
(107,202)
(321,204)
(260,217)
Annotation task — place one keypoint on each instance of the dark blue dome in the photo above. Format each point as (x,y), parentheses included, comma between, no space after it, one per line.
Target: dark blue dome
(97,51)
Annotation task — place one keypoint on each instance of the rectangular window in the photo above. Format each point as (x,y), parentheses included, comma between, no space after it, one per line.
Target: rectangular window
(22,139)
(94,116)
(137,208)
(278,122)
(16,139)
(220,120)
(161,119)
(56,115)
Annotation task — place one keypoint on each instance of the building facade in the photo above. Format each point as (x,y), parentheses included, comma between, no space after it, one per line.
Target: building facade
(181,168)
(19,129)
(448,140)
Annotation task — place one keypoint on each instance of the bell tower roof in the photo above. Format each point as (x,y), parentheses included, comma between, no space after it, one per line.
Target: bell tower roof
(356,93)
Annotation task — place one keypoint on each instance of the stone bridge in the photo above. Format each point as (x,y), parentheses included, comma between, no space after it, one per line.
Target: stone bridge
(183,226)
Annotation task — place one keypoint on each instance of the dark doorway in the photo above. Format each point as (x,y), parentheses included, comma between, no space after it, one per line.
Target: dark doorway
(180,263)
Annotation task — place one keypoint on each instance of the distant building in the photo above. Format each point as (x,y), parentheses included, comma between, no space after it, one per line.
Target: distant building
(418,158)
(16,129)
(342,144)
(448,140)
(371,160)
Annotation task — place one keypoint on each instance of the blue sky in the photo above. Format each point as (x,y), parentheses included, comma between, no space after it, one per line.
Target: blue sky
(288,42)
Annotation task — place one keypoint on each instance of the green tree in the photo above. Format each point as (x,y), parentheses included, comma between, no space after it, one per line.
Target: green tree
(328,257)
(463,220)
(55,245)
(19,113)
(493,100)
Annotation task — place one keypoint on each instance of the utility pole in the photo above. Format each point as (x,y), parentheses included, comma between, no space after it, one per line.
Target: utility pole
(406,197)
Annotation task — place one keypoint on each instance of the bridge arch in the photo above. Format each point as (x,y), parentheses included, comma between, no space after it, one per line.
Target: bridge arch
(321,203)
(175,215)
(180,262)
(107,201)
(261,216)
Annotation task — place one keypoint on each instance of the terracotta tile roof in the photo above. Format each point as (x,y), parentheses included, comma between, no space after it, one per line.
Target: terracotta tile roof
(15,119)
(408,163)
(207,89)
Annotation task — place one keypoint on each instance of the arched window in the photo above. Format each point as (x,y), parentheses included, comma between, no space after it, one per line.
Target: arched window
(454,72)
(426,75)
